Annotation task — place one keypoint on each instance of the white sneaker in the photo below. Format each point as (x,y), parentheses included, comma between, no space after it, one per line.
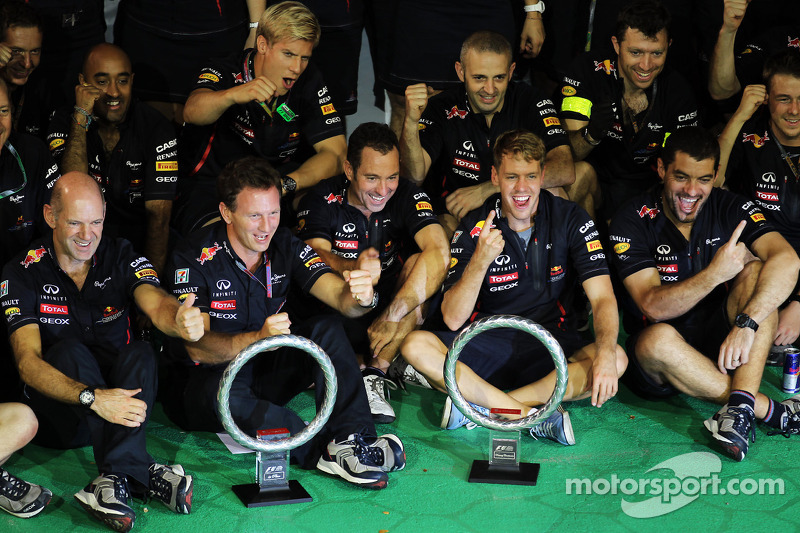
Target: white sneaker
(375,383)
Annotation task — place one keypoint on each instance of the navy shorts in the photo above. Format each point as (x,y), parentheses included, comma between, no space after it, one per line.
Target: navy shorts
(509,358)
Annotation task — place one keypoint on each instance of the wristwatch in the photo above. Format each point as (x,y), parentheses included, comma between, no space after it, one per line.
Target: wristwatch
(539,8)
(374,302)
(288,184)
(86,397)
(744,321)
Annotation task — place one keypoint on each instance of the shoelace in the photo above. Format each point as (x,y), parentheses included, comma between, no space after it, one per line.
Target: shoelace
(366,453)
(792,426)
(160,487)
(740,414)
(12,487)
(121,492)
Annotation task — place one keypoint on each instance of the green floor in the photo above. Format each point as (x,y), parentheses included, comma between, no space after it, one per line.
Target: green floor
(626,438)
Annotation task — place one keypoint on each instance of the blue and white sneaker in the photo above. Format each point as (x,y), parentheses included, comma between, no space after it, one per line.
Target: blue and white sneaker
(733,427)
(363,460)
(20,498)
(452,418)
(557,427)
(106,498)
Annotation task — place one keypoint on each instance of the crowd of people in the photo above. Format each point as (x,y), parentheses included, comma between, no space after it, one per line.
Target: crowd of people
(153,230)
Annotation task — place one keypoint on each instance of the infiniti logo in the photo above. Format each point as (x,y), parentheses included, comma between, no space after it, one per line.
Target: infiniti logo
(223,284)
(468,146)
(663,249)
(50,289)
(769,177)
(502,260)
(349,227)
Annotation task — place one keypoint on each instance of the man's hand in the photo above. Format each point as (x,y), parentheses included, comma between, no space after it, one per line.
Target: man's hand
(463,200)
(370,260)
(381,333)
(189,320)
(86,95)
(730,258)
(753,97)
(277,324)
(416,101)
(735,349)
(532,37)
(490,243)
(604,378)
(788,324)
(258,90)
(733,14)
(119,406)
(360,282)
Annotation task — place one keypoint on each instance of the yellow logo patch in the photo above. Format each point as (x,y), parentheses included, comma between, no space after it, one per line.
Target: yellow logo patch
(758,217)
(55,143)
(552,121)
(208,76)
(453,262)
(568,91)
(327,109)
(423,205)
(166,165)
(621,247)
(594,245)
(146,272)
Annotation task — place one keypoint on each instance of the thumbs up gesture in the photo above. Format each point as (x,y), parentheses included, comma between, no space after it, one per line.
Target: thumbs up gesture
(189,320)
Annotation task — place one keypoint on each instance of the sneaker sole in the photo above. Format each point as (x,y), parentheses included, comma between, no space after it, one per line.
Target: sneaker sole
(568,432)
(123,523)
(383,418)
(729,446)
(30,514)
(333,468)
(396,440)
(448,408)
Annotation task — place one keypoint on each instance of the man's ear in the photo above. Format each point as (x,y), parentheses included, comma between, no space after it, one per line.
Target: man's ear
(460,71)
(349,172)
(225,213)
(662,171)
(50,216)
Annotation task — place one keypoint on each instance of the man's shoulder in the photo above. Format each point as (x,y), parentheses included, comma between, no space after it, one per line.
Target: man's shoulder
(450,103)
(29,260)
(333,187)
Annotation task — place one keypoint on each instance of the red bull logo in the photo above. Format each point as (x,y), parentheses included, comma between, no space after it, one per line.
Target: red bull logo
(648,211)
(606,66)
(556,270)
(757,141)
(793,42)
(456,112)
(477,229)
(208,253)
(110,311)
(33,257)
(333,198)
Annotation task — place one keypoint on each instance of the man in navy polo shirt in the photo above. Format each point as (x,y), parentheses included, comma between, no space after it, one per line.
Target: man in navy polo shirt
(373,219)
(701,308)
(523,253)
(67,302)
(241,269)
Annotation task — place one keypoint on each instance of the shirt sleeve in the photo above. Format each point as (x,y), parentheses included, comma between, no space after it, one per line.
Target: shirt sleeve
(161,179)
(577,96)
(314,215)
(415,207)
(757,224)
(18,298)
(214,77)
(632,251)
(138,269)
(320,120)
(462,246)
(57,133)
(542,119)
(307,266)
(430,129)
(585,247)
(185,276)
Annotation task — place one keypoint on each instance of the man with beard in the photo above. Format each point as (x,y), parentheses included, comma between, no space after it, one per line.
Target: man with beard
(128,147)
(707,314)
(760,152)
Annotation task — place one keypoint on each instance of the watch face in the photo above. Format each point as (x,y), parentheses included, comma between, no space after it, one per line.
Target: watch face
(86,398)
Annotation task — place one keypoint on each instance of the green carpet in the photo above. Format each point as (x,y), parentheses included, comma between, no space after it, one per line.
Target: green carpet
(626,438)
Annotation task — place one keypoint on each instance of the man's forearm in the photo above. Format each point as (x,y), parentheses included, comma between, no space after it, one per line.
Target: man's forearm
(459,301)
(157,233)
(215,348)
(675,299)
(39,374)
(722,80)
(580,148)
(75,158)
(424,280)
(776,282)
(559,168)
(205,106)
(412,158)
(325,163)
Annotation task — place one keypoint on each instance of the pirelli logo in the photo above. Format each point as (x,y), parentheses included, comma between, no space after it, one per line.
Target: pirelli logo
(423,205)
(146,272)
(328,109)
(593,246)
(757,217)
(313,260)
(208,76)
(166,166)
(552,121)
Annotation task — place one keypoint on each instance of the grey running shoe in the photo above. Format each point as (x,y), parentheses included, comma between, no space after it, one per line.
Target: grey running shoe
(357,460)
(733,427)
(106,498)
(402,372)
(20,498)
(170,485)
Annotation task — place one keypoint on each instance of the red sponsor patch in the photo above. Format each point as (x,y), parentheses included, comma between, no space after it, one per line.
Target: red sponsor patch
(648,211)
(223,304)
(467,164)
(333,198)
(54,309)
(768,196)
(668,269)
(504,278)
(347,245)
(456,112)
(208,253)
(757,141)
(33,257)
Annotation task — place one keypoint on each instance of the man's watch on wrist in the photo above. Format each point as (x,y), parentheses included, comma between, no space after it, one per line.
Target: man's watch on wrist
(744,321)
(588,138)
(288,185)
(86,397)
(535,8)
(373,304)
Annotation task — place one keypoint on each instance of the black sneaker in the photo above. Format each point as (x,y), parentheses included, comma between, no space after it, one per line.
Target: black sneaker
(20,498)
(170,485)
(790,421)
(363,460)
(401,372)
(106,498)
(734,428)
(376,384)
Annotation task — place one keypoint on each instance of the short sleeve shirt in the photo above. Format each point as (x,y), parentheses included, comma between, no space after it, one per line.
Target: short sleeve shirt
(536,283)
(643,237)
(34,290)
(750,61)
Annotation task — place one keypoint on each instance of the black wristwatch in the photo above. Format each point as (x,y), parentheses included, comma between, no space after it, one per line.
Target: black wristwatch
(744,321)
(86,397)
(374,303)
(288,184)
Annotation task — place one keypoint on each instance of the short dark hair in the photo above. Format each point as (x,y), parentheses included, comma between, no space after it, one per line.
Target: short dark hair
(785,62)
(374,135)
(486,41)
(647,16)
(696,142)
(15,13)
(249,171)
(518,143)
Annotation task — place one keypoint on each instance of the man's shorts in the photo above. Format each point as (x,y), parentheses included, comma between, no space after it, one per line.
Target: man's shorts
(705,336)
(509,358)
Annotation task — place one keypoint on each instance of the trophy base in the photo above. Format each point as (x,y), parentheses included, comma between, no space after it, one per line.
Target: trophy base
(523,474)
(252,495)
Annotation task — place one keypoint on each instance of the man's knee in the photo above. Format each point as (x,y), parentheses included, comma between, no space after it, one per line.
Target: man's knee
(421,349)
(651,346)
(18,424)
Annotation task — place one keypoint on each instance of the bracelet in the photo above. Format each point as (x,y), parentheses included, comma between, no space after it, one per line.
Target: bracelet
(83,126)
(588,138)
(82,111)
(253,25)
(537,8)
(372,304)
